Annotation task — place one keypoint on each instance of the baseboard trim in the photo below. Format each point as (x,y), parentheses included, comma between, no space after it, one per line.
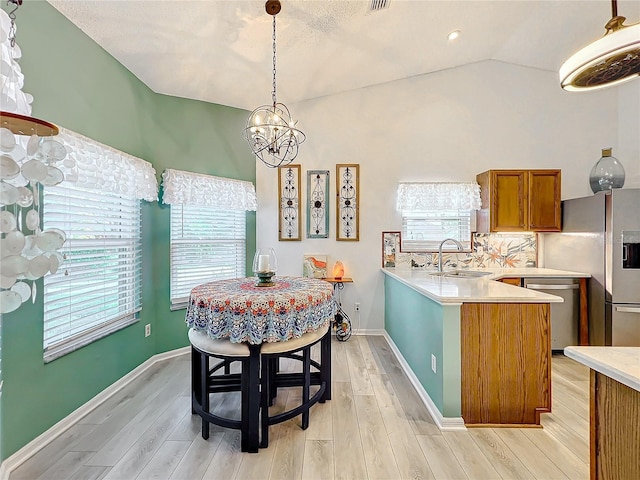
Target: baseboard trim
(38,443)
(443,423)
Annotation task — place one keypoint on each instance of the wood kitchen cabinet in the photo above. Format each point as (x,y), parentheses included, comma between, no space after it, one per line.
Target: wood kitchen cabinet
(519,201)
(505,363)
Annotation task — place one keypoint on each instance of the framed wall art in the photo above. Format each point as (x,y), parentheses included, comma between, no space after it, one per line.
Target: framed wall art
(289,194)
(390,247)
(317,203)
(347,202)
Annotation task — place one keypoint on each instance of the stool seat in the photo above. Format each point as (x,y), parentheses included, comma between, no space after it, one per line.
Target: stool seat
(294,344)
(226,348)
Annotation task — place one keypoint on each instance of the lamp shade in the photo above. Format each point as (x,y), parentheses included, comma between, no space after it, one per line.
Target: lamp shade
(338,270)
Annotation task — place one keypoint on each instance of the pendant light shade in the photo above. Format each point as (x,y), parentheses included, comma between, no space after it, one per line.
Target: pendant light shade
(609,61)
(270,131)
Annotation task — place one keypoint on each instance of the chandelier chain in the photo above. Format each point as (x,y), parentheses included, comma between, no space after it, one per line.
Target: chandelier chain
(273,94)
(12,16)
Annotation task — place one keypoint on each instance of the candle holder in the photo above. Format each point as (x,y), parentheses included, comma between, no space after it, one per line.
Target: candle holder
(265,266)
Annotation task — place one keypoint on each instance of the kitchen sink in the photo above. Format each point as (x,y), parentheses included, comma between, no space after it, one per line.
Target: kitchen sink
(461,273)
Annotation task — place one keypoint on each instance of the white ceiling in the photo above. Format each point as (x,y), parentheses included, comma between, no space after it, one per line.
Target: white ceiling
(219,51)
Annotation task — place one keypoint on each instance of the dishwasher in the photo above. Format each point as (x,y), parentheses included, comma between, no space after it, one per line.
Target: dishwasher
(565,316)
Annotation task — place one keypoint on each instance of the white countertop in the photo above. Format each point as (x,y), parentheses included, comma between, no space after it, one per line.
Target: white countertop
(452,290)
(498,273)
(620,363)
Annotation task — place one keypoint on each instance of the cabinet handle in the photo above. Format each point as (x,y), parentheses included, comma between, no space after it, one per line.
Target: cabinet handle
(628,309)
(539,286)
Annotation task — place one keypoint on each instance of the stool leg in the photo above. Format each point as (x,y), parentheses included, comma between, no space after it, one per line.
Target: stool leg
(306,365)
(204,392)
(265,400)
(274,368)
(252,400)
(195,378)
(325,365)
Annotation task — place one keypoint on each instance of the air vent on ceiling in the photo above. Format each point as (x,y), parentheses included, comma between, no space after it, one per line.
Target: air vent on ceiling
(377,5)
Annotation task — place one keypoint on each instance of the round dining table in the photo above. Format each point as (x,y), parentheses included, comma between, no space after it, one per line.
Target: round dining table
(241,311)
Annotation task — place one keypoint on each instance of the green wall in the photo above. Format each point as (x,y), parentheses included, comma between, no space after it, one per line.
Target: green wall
(79,86)
(421,327)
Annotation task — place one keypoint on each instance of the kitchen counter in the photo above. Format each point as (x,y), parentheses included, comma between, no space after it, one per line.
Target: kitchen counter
(614,404)
(464,341)
(452,290)
(620,363)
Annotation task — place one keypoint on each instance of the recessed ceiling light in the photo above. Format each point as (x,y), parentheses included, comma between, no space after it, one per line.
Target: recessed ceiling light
(453,35)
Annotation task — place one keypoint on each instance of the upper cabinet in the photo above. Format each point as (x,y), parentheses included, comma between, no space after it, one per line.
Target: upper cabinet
(519,201)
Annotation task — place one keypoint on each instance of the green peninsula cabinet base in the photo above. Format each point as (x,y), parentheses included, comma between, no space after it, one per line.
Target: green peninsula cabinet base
(506,364)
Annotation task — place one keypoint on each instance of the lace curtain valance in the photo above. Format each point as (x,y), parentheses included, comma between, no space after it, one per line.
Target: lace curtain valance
(438,196)
(91,164)
(196,189)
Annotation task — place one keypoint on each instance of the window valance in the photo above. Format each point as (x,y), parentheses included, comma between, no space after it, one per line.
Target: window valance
(91,164)
(438,196)
(197,189)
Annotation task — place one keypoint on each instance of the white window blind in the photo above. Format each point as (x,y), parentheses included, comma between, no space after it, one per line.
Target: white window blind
(207,244)
(422,231)
(97,289)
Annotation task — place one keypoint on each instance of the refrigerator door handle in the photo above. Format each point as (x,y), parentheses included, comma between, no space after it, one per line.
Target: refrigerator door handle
(624,253)
(552,286)
(628,309)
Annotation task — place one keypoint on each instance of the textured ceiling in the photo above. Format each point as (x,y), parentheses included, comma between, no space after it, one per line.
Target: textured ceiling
(220,50)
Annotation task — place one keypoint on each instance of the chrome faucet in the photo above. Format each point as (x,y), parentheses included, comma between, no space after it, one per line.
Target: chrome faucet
(458,244)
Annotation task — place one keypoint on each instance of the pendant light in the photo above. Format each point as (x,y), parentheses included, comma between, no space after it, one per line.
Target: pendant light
(270,131)
(609,61)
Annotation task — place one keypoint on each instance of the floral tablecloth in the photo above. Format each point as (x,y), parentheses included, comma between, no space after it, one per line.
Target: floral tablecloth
(238,310)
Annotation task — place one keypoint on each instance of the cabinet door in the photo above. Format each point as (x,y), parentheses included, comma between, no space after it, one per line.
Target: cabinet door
(509,192)
(544,201)
(512,281)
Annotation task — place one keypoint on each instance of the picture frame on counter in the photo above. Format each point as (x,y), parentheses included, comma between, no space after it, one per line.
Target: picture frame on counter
(317,204)
(314,266)
(289,199)
(347,202)
(391,246)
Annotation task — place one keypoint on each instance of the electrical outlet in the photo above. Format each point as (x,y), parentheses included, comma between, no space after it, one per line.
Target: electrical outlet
(357,306)
(433,363)
(147,330)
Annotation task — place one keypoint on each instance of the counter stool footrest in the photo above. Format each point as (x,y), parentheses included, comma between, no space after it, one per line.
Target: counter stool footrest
(294,412)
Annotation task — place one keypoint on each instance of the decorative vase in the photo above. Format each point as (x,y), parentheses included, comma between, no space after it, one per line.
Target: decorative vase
(265,266)
(607,173)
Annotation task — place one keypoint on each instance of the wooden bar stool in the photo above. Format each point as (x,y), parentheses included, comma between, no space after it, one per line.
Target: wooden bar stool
(271,379)
(204,381)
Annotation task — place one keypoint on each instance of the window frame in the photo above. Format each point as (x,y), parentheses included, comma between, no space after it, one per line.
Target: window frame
(118,230)
(178,300)
(431,245)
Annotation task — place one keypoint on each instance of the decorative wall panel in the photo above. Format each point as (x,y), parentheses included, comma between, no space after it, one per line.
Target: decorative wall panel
(317,204)
(347,202)
(289,195)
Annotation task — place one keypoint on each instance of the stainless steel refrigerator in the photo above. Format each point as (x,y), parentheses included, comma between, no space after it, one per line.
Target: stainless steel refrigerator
(601,236)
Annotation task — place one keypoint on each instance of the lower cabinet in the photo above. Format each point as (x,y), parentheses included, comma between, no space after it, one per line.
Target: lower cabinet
(615,438)
(505,363)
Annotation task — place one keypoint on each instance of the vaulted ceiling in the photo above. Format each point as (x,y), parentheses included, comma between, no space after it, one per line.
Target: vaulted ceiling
(220,51)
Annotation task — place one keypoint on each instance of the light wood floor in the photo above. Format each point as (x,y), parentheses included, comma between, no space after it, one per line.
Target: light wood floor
(375,427)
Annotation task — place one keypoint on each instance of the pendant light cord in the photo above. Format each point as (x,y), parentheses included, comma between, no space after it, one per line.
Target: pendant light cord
(273,94)
(614,8)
